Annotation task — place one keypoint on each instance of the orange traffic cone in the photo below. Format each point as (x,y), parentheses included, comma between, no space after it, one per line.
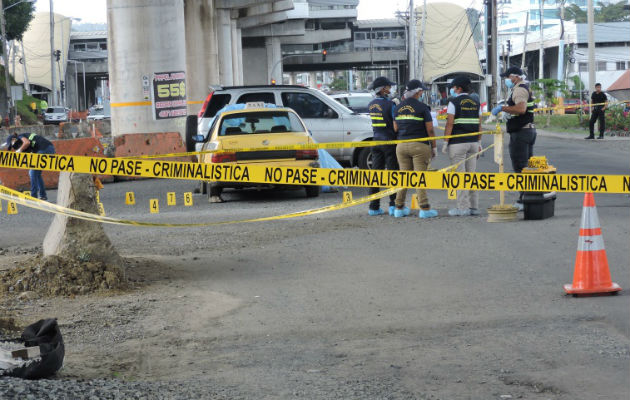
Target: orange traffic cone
(591,274)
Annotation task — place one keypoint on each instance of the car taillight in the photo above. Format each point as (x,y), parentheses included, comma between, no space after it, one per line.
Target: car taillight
(223,157)
(306,154)
(205,105)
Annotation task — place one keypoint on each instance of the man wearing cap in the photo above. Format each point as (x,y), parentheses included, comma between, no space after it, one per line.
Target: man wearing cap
(463,117)
(32,143)
(412,120)
(382,114)
(520,125)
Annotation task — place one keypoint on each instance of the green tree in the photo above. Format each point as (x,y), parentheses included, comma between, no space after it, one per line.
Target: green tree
(17,18)
(339,84)
(547,89)
(607,12)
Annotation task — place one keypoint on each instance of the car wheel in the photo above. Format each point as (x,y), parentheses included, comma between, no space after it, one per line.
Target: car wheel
(312,191)
(364,159)
(191,130)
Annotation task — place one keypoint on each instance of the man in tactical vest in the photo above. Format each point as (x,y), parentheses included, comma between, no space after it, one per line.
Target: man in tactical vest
(381,111)
(463,117)
(413,120)
(520,125)
(32,143)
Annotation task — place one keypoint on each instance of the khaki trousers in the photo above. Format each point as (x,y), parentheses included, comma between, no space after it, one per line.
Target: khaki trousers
(414,156)
(458,152)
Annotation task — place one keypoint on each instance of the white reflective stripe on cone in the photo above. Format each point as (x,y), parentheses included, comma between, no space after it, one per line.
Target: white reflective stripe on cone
(590,219)
(590,243)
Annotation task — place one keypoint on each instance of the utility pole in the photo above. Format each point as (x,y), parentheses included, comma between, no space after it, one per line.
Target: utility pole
(6,61)
(542,41)
(412,40)
(421,50)
(27,86)
(525,41)
(53,80)
(591,46)
(492,61)
(561,58)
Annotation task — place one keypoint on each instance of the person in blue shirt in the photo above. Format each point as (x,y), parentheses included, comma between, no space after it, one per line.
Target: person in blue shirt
(381,111)
(32,143)
(413,120)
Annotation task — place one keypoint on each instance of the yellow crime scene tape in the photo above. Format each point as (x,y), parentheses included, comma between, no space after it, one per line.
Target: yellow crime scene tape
(265,174)
(316,146)
(28,201)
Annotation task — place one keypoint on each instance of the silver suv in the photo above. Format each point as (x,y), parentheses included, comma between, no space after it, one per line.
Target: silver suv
(326,119)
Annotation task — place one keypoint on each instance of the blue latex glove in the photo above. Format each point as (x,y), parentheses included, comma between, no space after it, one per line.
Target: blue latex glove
(496,110)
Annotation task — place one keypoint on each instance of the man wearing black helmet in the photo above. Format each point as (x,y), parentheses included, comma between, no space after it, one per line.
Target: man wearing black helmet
(520,125)
(381,111)
(413,120)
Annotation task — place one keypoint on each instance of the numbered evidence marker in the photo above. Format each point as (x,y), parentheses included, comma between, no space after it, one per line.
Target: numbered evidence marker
(101,209)
(347,197)
(452,194)
(130,199)
(188,199)
(12,208)
(171,199)
(154,205)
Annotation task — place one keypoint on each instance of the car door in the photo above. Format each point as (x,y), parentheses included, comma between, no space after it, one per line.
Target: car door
(321,120)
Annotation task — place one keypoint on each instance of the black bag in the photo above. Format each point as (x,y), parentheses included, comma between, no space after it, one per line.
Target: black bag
(44,333)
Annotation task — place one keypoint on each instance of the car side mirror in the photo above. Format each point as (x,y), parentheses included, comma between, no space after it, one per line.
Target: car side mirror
(198,138)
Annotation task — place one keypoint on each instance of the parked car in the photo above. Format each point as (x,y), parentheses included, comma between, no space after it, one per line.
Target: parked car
(55,115)
(97,113)
(575,105)
(357,102)
(256,125)
(326,119)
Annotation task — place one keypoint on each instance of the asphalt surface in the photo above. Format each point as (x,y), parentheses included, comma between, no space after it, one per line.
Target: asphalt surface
(343,305)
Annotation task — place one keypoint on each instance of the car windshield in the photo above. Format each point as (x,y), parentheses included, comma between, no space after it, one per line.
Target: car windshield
(51,110)
(98,111)
(244,123)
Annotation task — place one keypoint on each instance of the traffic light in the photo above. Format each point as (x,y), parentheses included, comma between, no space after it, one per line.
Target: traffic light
(62,85)
(273,81)
(324,52)
(57,54)
(509,46)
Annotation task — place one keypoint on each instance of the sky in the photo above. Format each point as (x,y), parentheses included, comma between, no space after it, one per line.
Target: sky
(95,11)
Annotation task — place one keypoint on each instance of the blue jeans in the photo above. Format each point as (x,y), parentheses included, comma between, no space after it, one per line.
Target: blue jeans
(37,182)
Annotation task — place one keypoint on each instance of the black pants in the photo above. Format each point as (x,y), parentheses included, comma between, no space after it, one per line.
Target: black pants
(383,157)
(521,147)
(595,115)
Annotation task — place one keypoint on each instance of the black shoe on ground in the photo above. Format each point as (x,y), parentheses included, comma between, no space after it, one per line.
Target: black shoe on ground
(589,137)
(600,137)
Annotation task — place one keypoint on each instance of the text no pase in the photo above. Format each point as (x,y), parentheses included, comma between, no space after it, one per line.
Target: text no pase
(302,176)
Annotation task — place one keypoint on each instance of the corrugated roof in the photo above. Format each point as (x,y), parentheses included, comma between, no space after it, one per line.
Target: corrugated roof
(605,32)
(378,23)
(622,83)
(75,35)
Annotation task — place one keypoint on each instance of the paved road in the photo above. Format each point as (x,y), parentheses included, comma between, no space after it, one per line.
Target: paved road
(342,305)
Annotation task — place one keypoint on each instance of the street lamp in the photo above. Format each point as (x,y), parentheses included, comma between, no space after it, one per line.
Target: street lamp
(62,76)
(4,51)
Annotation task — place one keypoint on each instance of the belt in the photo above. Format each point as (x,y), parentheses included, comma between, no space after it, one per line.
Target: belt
(528,126)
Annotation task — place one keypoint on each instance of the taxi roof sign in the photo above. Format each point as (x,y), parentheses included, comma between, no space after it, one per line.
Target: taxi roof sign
(255,104)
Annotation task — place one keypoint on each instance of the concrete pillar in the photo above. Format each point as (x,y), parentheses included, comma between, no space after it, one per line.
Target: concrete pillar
(202,58)
(274,59)
(237,67)
(224,36)
(145,37)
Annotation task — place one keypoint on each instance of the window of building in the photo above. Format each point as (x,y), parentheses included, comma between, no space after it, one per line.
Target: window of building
(79,46)
(601,66)
(359,36)
(583,67)
(102,46)
(621,65)
(92,46)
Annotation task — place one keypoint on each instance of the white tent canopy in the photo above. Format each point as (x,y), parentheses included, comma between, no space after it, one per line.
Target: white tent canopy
(449,46)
